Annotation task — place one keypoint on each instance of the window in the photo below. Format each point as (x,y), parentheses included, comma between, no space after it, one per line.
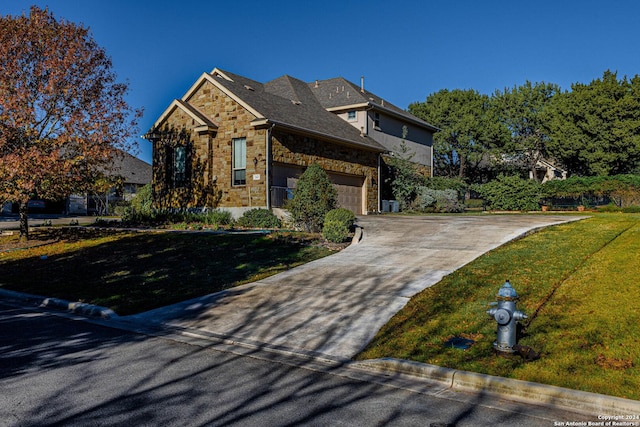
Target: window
(376,120)
(177,166)
(239,147)
(351,116)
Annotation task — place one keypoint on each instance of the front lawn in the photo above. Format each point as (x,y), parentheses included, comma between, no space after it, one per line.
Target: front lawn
(577,282)
(134,272)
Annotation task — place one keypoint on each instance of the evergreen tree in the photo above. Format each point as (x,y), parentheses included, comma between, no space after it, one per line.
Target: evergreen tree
(313,197)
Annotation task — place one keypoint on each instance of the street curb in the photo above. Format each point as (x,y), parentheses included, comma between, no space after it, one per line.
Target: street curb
(524,391)
(81,308)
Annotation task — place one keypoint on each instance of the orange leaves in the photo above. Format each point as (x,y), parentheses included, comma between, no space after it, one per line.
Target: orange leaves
(62,111)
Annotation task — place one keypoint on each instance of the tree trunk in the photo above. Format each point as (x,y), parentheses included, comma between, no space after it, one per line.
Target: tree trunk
(24,221)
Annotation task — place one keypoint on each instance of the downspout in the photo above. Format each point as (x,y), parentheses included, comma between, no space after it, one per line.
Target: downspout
(379,183)
(432,158)
(267,171)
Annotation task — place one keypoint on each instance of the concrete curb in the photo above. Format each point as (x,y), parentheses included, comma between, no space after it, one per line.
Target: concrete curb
(524,391)
(59,304)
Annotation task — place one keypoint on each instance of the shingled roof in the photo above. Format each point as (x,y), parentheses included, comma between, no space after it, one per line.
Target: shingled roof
(339,93)
(131,169)
(289,102)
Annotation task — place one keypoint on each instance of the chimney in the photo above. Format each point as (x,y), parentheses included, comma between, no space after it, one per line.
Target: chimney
(317,83)
(362,84)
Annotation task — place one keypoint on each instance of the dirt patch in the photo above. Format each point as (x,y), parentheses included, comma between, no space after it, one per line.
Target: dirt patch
(613,363)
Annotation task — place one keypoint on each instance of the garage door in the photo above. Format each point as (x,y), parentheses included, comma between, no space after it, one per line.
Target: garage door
(349,191)
(350,187)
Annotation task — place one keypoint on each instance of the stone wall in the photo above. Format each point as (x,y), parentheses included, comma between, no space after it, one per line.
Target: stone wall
(211,156)
(288,148)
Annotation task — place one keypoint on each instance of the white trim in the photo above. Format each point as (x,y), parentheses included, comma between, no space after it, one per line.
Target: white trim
(212,79)
(348,107)
(176,103)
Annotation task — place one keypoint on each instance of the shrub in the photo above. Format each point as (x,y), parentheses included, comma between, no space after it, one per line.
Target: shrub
(438,200)
(511,193)
(259,218)
(313,197)
(337,223)
(217,217)
(335,231)
(143,200)
(342,215)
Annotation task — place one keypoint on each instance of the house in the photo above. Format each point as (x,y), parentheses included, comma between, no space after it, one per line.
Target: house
(235,143)
(547,171)
(130,173)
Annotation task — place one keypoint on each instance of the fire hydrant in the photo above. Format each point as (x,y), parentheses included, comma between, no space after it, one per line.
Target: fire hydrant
(506,315)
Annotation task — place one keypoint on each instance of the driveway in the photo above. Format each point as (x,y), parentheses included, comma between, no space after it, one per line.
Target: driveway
(334,306)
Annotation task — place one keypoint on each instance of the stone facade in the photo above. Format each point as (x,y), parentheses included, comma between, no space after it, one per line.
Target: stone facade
(297,150)
(210,156)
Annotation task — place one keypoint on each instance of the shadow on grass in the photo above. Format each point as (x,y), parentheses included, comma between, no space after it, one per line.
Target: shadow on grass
(131,273)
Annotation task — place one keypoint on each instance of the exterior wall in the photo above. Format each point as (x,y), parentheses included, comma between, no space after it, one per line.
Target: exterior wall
(419,141)
(302,151)
(211,156)
(359,123)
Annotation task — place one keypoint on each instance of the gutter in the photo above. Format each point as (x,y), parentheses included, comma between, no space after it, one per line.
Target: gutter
(256,123)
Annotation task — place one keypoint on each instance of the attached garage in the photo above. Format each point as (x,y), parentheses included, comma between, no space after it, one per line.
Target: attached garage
(350,187)
(350,191)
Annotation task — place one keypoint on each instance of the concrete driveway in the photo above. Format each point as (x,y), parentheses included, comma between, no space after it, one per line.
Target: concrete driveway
(334,306)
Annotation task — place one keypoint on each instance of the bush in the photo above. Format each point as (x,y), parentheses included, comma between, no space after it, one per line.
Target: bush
(335,231)
(438,200)
(511,193)
(313,197)
(217,217)
(259,218)
(337,223)
(342,215)
(143,200)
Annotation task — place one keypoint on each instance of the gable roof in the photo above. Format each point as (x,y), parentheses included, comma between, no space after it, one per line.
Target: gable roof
(291,103)
(202,120)
(288,102)
(131,169)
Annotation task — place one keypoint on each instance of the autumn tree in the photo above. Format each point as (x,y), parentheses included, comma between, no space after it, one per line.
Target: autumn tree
(63,116)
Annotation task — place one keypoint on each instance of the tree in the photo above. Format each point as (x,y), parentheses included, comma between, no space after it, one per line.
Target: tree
(313,197)
(596,127)
(403,176)
(524,111)
(467,130)
(63,116)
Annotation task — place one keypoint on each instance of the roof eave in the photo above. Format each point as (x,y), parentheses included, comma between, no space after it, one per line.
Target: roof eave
(176,103)
(266,122)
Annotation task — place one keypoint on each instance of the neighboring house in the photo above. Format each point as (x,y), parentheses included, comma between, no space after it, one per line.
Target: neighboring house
(546,171)
(239,144)
(131,174)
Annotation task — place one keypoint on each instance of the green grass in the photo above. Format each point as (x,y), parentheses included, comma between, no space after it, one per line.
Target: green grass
(577,283)
(135,272)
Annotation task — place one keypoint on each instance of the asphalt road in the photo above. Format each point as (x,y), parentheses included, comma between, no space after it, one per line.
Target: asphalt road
(58,369)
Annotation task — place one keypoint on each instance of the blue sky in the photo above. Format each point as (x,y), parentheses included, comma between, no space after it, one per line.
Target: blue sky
(405,49)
